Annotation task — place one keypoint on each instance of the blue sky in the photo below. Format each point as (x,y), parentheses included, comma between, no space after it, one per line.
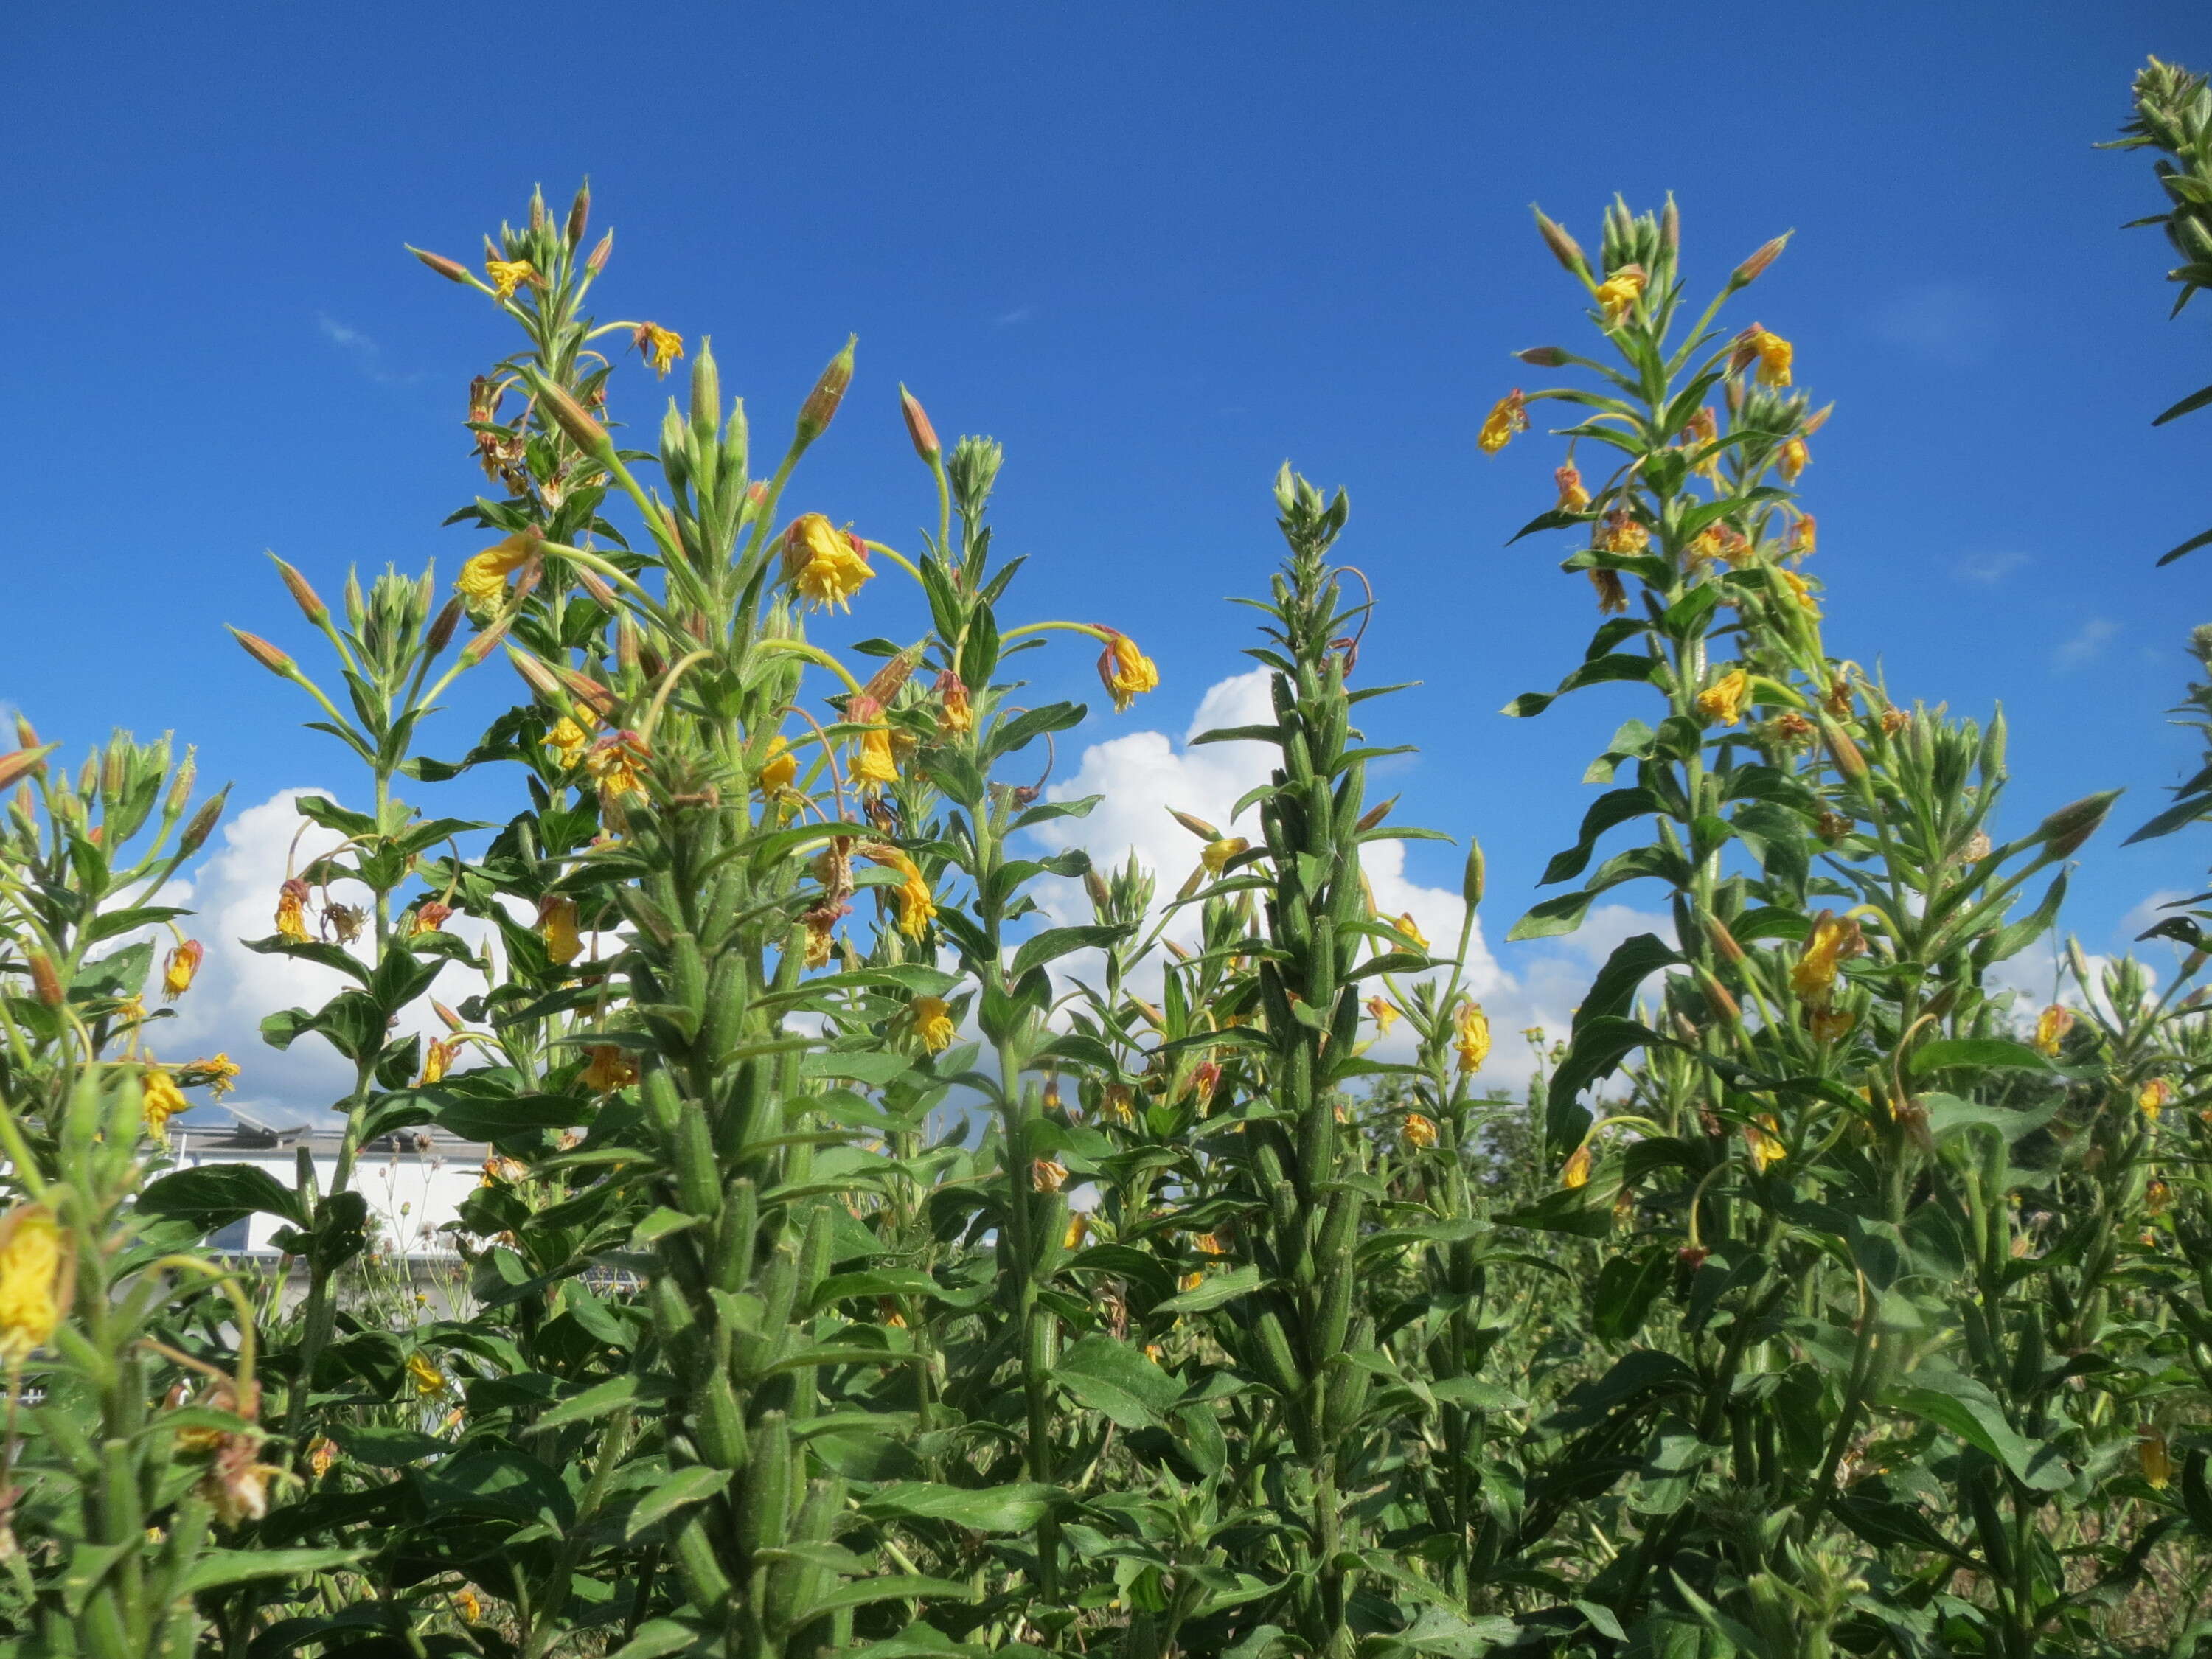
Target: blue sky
(1155,249)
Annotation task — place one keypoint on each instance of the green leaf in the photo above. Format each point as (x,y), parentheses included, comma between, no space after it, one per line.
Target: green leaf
(213,1195)
(982,1509)
(1113,1378)
(657,1638)
(1216,1289)
(1979,1053)
(628,1389)
(2200,539)
(1055,942)
(2195,400)
(682,1489)
(860,1592)
(386,1447)
(216,1568)
(1967,1409)
(1552,917)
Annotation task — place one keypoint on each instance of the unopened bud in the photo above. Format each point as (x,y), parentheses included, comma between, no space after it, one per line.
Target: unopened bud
(1723,941)
(1670,227)
(580,213)
(23,761)
(535,674)
(453,1020)
(203,824)
(597,697)
(303,594)
(451,270)
(596,585)
(1750,271)
(1094,885)
(918,427)
(480,648)
(626,644)
(821,405)
(46,983)
(1852,763)
(263,653)
(1565,248)
(2065,830)
(180,786)
(597,262)
(443,624)
(27,735)
(572,417)
(1544,356)
(1471,877)
(1197,826)
(1725,1005)
(1375,815)
(706,391)
(2078,962)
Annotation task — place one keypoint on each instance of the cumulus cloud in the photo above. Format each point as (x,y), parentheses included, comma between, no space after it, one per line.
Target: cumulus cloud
(2086,645)
(1141,774)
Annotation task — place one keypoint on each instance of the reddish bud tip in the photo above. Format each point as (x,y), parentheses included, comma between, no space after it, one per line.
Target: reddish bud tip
(1565,248)
(1750,271)
(918,427)
(303,594)
(263,653)
(452,271)
(821,405)
(572,417)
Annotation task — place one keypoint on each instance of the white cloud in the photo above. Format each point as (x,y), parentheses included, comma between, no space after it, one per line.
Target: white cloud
(2086,645)
(1987,569)
(1143,774)
(367,355)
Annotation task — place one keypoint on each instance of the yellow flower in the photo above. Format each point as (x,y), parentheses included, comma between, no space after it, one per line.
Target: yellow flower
(780,769)
(1385,1013)
(2151,1455)
(1704,431)
(956,714)
(616,763)
(1804,536)
(1046,1176)
(1802,591)
(435,1061)
(661,347)
(508,274)
(2151,1099)
(1473,1040)
(161,1098)
(1420,1132)
(1621,533)
(916,904)
(1831,942)
(2156,1196)
(1078,1229)
(1724,700)
(1119,1101)
(177,973)
(1831,1025)
(322,1452)
(1618,293)
(610,1069)
(483,581)
(1508,415)
(1764,1140)
(292,910)
(2051,1026)
(1573,498)
(930,1019)
(556,924)
(1190,1281)
(1218,853)
(1792,460)
(1411,930)
(1707,545)
(422,1370)
(1125,670)
(1577,1171)
(568,741)
(826,565)
(498,1168)
(35,1280)
(875,765)
(1775,356)
(466,1601)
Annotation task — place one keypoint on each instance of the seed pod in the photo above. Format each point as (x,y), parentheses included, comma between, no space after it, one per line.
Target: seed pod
(671,1315)
(1333,1319)
(1278,1361)
(727,1003)
(733,1234)
(662,1100)
(719,1428)
(1339,1226)
(700,1562)
(1344,1397)
(687,978)
(764,1504)
(698,1180)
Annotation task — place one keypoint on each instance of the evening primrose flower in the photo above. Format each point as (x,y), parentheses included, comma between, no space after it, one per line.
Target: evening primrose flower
(875,765)
(1764,1140)
(779,771)
(1078,1229)
(1802,591)
(292,910)
(1508,415)
(956,714)
(567,742)
(1831,941)
(1046,1175)
(177,973)
(659,347)
(1724,700)
(436,1058)
(160,1099)
(1621,533)
(1124,670)
(930,1019)
(1385,1013)
(1412,929)
(557,924)
(1774,353)
(422,1371)
(2154,1459)
(1472,1039)
(508,274)
(826,566)
(1804,536)
(236,1485)
(483,581)
(1577,1171)
(915,905)
(1618,295)
(1420,1132)
(35,1280)
(1573,498)
(1190,1281)
(2151,1099)
(2051,1026)
(616,765)
(1792,459)
(610,1069)
(1218,853)
(1702,431)
(466,1601)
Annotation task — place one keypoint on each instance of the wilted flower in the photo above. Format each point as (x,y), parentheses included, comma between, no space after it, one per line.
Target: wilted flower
(422,1371)
(1772,352)
(1804,536)
(1577,1171)
(1125,670)
(1508,415)
(1573,498)
(2151,1099)
(1612,596)
(1802,591)
(2157,1196)
(616,763)
(1621,533)
(322,1452)
(292,910)
(1702,431)
(1118,1102)
(827,566)
(177,973)
(610,1069)
(499,1168)
(1218,853)
(1764,1140)
(508,274)
(1420,1132)
(35,1280)
(875,766)
(483,581)
(435,1061)
(430,916)
(160,1099)
(1190,1281)
(1831,941)
(1618,294)
(2051,1026)
(930,1019)
(2152,1456)
(1412,929)
(1792,459)
(659,347)
(915,903)
(1046,1176)
(1078,1229)
(236,1484)
(467,1602)
(1472,1038)
(1725,698)
(779,771)
(956,714)
(1385,1013)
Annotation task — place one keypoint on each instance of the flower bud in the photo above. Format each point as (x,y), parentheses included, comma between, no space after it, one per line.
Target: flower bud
(303,594)
(821,405)
(1751,270)
(180,786)
(2077,961)
(46,983)
(1094,885)
(1564,247)
(1723,941)
(580,213)
(596,585)
(1852,763)
(2065,830)
(1375,815)
(918,427)
(535,674)
(451,270)
(1544,356)
(597,262)
(572,417)
(203,824)
(23,761)
(480,648)
(1670,227)
(1197,826)
(27,735)
(263,653)
(706,391)
(442,626)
